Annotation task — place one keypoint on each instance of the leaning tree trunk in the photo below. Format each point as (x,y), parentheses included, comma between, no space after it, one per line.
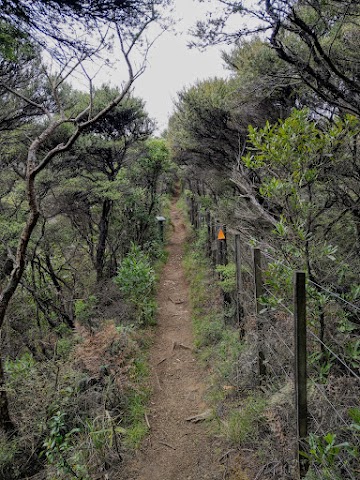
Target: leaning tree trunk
(6,424)
(6,295)
(34,167)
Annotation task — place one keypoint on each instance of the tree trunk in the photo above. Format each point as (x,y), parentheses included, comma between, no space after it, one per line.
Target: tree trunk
(6,425)
(103,235)
(6,295)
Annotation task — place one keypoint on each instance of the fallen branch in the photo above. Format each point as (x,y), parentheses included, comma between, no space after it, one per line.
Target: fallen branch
(161,361)
(226,454)
(167,445)
(264,467)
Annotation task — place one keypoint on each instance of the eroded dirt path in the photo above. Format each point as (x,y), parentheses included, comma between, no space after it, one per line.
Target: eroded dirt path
(176,449)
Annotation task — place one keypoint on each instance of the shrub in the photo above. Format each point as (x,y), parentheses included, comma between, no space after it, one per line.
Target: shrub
(243,424)
(136,280)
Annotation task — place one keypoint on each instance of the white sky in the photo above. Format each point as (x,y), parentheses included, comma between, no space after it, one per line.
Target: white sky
(173,66)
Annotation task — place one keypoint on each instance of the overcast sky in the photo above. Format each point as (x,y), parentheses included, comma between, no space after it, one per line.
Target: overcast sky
(173,66)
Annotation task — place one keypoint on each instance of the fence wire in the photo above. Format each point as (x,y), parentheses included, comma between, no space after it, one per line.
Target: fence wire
(333,443)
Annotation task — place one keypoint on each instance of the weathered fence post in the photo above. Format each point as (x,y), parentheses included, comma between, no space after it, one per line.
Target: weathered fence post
(218,247)
(199,216)
(259,292)
(239,305)
(196,215)
(222,259)
(209,234)
(189,203)
(214,246)
(224,248)
(300,367)
(191,211)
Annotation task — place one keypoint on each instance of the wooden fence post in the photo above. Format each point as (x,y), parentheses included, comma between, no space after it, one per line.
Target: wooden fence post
(192,209)
(214,242)
(197,215)
(218,247)
(224,247)
(222,259)
(239,286)
(209,235)
(259,292)
(300,367)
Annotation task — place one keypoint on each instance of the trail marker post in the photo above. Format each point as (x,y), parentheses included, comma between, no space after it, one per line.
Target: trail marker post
(222,245)
(161,222)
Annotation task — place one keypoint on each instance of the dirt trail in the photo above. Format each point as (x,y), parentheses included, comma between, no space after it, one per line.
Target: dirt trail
(176,449)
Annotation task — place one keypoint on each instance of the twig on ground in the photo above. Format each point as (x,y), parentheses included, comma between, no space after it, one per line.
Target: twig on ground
(226,454)
(161,361)
(168,445)
(264,467)
(147,421)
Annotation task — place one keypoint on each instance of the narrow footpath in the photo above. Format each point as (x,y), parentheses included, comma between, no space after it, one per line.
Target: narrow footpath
(178,447)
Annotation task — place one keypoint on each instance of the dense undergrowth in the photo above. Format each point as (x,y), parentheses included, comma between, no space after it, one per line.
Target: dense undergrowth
(244,415)
(81,409)
(255,414)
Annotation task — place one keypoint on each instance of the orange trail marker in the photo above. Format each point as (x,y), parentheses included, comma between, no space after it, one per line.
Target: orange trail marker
(221,235)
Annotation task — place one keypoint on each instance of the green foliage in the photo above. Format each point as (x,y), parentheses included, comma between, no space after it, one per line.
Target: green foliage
(323,362)
(135,413)
(102,433)
(208,331)
(84,309)
(65,345)
(15,45)
(22,367)
(155,158)
(352,349)
(202,114)
(136,280)
(324,454)
(59,445)
(8,450)
(354,414)
(135,434)
(227,280)
(242,425)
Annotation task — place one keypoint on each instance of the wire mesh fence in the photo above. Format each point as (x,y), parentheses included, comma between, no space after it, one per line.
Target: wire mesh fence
(261,304)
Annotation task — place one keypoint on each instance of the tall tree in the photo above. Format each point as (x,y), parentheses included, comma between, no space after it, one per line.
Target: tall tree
(47,19)
(318,40)
(130,33)
(106,148)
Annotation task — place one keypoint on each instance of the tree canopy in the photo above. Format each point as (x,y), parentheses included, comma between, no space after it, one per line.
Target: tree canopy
(63,20)
(319,41)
